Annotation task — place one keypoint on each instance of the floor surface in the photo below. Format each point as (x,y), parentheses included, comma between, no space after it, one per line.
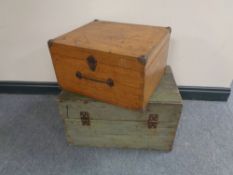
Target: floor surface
(32,142)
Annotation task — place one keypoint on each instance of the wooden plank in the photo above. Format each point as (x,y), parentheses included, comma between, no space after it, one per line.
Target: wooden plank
(111,127)
(125,39)
(121,141)
(99,111)
(108,58)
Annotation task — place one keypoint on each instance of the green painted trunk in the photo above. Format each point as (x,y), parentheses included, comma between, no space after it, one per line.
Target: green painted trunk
(112,126)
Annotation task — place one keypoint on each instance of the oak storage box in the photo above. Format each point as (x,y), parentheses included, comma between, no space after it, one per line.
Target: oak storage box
(90,122)
(107,60)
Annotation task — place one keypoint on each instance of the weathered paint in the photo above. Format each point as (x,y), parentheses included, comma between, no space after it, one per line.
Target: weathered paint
(112,126)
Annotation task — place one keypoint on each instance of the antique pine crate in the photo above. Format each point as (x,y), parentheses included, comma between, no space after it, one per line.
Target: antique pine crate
(117,63)
(93,123)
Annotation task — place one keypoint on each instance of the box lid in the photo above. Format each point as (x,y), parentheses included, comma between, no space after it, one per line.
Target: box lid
(119,38)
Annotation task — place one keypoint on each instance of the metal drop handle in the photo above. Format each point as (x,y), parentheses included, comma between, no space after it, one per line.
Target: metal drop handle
(109,81)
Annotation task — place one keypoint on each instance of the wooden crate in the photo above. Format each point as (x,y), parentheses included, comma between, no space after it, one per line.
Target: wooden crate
(107,60)
(89,122)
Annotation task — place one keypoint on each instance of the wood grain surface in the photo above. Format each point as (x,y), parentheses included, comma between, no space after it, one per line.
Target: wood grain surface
(132,56)
(121,38)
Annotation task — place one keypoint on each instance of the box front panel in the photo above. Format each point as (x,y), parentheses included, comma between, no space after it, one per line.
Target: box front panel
(105,130)
(116,85)
(76,137)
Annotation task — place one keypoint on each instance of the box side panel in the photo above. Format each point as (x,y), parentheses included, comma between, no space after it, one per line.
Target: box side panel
(152,55)
(154,71)
(173,116)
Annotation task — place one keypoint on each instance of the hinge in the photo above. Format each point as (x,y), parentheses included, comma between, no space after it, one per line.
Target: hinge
(85,118)
(152,121)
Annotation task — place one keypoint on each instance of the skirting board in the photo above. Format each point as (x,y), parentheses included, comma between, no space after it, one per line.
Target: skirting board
(187,92)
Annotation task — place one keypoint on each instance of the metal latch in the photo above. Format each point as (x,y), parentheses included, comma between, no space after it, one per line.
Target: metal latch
(152,121)
(85,118)
(92,63)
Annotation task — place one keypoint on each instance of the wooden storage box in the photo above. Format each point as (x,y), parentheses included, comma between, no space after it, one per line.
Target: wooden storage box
(117,63)
(93,123)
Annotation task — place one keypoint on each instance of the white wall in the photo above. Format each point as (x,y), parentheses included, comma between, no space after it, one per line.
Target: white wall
(201,50)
